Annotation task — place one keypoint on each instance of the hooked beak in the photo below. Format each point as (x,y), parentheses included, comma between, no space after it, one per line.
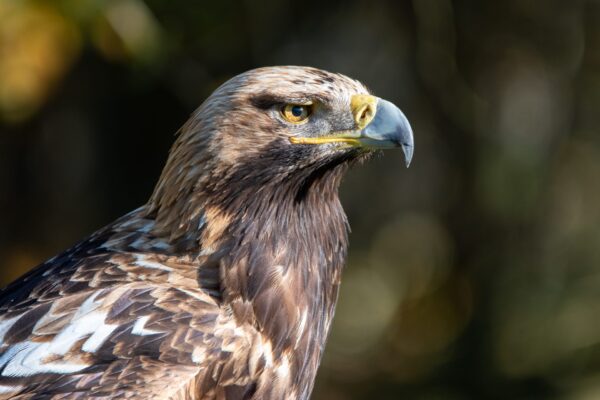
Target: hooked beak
(380,125)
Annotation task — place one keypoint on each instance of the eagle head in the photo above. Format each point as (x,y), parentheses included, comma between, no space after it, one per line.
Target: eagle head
(284,126)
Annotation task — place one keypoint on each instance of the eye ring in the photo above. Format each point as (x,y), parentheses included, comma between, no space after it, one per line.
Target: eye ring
(296,113)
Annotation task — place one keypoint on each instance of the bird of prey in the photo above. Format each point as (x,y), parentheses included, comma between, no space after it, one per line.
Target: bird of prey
(224,285)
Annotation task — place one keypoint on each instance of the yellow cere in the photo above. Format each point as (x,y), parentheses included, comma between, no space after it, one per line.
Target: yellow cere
(363,108)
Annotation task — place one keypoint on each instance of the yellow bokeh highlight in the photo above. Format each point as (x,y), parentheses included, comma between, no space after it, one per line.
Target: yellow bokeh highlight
(37,47)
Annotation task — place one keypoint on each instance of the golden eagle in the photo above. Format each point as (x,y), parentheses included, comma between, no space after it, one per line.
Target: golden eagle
(224,284)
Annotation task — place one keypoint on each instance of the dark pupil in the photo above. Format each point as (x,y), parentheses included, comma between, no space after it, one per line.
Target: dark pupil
(297,111)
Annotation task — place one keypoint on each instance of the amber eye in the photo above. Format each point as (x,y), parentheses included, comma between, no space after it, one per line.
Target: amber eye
(296,113)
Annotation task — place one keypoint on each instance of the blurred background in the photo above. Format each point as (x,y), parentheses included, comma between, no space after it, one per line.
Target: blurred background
(475,274)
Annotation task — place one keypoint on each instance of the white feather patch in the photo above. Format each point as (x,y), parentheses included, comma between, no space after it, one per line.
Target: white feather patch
(139,327)
(29,358)
(301,327)
(206,251)
(9,389)
(95,341)
(85,322)
(283,369)
(198,355)
(151,264)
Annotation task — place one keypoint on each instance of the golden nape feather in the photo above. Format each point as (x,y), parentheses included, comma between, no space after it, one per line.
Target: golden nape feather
(223,286)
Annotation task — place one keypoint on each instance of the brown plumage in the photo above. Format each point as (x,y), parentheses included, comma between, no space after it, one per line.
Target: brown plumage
(224,284)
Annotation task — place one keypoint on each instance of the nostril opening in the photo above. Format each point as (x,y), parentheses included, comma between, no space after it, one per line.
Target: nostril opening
(365,114)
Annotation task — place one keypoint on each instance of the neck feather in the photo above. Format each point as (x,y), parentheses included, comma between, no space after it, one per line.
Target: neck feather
(280,235)
(286,249)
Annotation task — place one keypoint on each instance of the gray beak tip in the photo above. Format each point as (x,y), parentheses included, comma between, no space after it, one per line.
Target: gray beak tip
(408,150)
